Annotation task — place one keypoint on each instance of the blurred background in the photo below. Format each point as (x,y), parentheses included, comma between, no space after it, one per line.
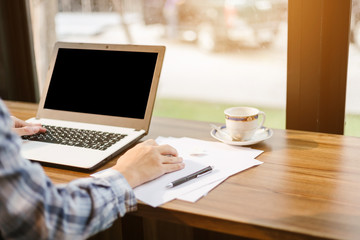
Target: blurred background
(220,53)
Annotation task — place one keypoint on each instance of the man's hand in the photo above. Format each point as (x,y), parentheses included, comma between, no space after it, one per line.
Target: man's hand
(147,161)
(23,128)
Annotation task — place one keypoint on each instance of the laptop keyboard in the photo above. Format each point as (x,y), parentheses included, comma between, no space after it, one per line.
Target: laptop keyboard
(77,137)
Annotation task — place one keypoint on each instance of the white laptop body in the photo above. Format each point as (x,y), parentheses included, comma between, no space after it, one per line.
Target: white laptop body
(98,87)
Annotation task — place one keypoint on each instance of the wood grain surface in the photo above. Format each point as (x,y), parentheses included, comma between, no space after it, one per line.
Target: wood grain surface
(308,186)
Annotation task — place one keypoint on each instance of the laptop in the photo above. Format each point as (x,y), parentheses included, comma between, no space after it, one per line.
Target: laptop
(97,102)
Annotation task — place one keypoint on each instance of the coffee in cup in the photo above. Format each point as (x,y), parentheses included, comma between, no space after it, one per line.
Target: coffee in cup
(242,122)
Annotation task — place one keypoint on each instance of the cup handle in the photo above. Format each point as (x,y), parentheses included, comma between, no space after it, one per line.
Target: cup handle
(263,119)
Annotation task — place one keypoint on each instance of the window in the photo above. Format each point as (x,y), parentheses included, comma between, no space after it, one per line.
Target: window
(352,120)
(220,53)
(204,55)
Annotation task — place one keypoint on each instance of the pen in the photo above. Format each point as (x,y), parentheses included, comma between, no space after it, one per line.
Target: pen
(187,178)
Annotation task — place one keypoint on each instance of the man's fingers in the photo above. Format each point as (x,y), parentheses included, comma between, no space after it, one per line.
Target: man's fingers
(23,131)
(171,159)
(17,123)
(173,167)
(171,163)
(167,150)
(163,149)
(29,130)
(42,129)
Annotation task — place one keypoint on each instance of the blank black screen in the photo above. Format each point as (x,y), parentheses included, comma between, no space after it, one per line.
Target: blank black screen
(114,83)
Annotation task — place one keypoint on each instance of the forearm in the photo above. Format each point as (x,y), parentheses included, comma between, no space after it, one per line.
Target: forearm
(75,211)
(92,205)
(31,207)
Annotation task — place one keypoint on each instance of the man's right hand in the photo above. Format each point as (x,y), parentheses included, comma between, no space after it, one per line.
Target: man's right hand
(147,161)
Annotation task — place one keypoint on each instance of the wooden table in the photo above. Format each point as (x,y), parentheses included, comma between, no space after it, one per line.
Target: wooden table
(308,186)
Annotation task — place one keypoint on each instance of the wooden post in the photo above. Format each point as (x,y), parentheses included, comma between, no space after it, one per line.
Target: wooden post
(318,45)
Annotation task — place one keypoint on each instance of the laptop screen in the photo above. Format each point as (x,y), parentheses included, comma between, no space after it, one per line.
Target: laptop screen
(105,82)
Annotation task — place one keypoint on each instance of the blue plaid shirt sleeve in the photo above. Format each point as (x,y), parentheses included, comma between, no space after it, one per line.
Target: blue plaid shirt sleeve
(31,207)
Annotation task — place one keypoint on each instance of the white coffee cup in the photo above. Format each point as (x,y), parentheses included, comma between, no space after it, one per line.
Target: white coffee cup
(242,122)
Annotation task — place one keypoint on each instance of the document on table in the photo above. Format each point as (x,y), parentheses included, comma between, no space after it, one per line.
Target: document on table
(197,154)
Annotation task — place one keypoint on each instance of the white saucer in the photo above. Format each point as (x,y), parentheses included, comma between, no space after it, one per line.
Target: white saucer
(260,135)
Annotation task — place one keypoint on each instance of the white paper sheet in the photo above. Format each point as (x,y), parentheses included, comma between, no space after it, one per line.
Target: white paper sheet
(197,154)
(195,195)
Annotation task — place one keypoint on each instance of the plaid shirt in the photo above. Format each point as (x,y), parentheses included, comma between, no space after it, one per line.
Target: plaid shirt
(31,207)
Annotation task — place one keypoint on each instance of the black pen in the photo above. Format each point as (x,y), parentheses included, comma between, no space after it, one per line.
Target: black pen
(187,178)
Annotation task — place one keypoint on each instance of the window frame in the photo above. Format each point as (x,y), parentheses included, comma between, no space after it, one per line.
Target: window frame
(17,68)
(318,49)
